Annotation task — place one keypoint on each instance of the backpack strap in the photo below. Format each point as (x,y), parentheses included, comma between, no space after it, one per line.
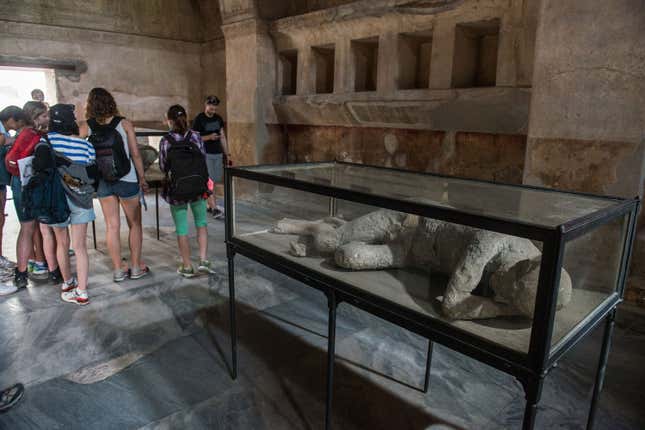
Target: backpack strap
(115,121)
(185,140)
(170,139)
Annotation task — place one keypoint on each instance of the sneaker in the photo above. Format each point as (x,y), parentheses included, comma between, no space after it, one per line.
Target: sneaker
(5,263)
(205,266)
(138,274)
(75,296)
(37,268)
(10,396)
(20,279)
(119,275)
(186,272)
(218,214)
(7,288)
(56,277)
(68,285)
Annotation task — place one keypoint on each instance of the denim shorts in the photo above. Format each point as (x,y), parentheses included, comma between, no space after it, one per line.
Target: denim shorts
(77,215)
(121,189)
(16,192)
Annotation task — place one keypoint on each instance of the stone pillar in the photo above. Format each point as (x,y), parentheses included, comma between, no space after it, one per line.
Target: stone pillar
(387,64)
(587,121)
(251,64)
(443,48)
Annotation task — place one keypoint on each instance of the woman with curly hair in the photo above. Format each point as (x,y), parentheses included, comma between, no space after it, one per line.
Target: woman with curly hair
(102,111)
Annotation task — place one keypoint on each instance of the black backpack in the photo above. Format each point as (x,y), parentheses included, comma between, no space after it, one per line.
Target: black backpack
(186,168)
(43,197)
(111,159)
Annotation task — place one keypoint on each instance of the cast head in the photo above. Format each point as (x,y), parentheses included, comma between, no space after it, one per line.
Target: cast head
(519,285)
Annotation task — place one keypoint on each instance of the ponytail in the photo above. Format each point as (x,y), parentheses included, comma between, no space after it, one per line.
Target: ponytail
(177,115)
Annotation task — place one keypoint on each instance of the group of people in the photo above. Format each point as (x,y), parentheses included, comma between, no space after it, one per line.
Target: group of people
(72,162)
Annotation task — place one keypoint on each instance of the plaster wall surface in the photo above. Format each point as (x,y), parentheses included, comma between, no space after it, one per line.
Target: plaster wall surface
(587,120)
(177,20)
(150,55)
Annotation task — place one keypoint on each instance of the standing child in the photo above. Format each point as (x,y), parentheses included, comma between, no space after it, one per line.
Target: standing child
(11,118)
(75,159)
(37,121)
(121,179)
(183,159)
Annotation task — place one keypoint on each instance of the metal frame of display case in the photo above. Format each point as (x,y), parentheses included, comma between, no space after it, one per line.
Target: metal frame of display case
(529,368)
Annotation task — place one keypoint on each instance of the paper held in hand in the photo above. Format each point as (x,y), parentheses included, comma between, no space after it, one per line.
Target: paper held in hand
(24,166)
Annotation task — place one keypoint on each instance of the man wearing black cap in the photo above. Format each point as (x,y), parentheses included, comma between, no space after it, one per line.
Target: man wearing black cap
(211,127)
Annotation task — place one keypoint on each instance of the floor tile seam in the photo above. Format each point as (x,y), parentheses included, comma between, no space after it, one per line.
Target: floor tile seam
(188,408)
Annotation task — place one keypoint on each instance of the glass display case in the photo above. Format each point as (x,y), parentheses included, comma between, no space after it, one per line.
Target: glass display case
(511,275)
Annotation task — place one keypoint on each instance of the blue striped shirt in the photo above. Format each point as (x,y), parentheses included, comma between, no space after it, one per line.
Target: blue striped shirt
(76,149)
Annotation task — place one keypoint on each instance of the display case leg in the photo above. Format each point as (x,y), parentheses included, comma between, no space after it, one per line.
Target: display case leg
(602,367)
(426,382)
(331,355)
(94,233)
(533,391)
(231,301)
(157,209)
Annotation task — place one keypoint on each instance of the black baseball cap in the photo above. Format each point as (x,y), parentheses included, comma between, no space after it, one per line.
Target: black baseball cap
(62,115)
(212,100)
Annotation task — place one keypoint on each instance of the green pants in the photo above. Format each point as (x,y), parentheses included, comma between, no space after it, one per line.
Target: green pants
(180,216)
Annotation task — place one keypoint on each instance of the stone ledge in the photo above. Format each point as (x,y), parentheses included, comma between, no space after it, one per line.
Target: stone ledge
(485,110)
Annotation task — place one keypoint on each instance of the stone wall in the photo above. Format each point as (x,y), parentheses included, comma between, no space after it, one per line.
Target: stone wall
(412,95)
(149,54)
(486,156)
(587,124)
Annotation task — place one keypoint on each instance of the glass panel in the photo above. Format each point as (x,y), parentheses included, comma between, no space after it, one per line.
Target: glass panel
(592,265)
(543,208)
(408,260)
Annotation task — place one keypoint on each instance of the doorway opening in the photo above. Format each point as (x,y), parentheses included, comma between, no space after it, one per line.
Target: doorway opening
(16,84)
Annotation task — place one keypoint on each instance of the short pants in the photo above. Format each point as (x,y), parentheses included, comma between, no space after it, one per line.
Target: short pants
(121,189)
(215,166)
(77,216)
(16,191)
(180,216)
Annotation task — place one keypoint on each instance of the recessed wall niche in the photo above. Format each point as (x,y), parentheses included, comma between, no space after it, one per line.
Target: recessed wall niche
(365,62)
(324,59)
(288,63)
(414,56)
(475,55)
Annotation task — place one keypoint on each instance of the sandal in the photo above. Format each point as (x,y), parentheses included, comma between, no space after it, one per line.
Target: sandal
(140,274)
(10,396)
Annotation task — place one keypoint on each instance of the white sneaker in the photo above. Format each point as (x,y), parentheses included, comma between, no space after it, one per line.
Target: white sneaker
(7,288)
(75,296)
(5,263)
(68,285)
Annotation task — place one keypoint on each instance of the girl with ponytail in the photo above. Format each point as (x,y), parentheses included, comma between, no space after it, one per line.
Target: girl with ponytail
(183,159)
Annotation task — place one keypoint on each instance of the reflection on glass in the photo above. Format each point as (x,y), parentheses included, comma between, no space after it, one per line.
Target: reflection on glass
(537,207)
(593,261)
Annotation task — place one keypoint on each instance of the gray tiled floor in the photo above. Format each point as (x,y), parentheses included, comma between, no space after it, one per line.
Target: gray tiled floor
(154,354)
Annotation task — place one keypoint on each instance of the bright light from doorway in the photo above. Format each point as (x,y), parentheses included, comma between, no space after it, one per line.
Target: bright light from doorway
(16,84)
